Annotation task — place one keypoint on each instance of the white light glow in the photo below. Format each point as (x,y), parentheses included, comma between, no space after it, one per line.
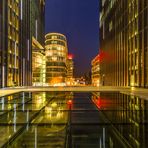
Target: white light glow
(15,56)
(23,71)
(21,9)
(3,76)
(28,49)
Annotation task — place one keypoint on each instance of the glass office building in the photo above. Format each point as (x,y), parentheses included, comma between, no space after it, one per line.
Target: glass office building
(124,38)
(1,43)
(9,43)
(25,52)
(16,31)
(37,20)
(38,64)
(56,58)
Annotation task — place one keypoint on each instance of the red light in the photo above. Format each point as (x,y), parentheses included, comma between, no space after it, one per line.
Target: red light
(105,56)
(97,58)
(70,56)
(69,102)
(98,103)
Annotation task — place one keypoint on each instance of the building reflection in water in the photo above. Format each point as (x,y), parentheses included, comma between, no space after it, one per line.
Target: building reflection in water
(127,114)
(49,127)
(43,118)
(57,109)
(38,100)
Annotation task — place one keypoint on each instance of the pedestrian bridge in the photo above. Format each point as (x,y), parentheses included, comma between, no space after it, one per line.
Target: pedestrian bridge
(127,90)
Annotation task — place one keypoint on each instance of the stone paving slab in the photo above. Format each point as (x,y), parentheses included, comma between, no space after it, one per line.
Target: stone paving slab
(141,92)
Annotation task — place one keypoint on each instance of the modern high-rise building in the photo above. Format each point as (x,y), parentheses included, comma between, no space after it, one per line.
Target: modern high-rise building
(37,20)
(70,70)
(124,42)
(16,27)
(95,71)
(56,58)
(1,34)
(25,50)
(38,64)
(9,43)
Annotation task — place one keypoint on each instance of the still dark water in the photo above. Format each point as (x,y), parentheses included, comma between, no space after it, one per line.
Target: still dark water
(73,120)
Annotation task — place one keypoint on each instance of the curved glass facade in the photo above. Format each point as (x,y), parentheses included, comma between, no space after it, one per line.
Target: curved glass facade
(56,58)
(38,68)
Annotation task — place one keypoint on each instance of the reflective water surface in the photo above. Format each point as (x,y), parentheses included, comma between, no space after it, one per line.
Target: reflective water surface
(73,120)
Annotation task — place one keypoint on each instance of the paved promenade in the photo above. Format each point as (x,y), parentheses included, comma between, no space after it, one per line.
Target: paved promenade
(127,90)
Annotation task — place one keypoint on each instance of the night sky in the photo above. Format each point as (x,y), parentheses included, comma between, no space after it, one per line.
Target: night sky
(79,21)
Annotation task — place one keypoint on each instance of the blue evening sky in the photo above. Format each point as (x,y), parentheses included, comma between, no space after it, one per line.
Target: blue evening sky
(79,21)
